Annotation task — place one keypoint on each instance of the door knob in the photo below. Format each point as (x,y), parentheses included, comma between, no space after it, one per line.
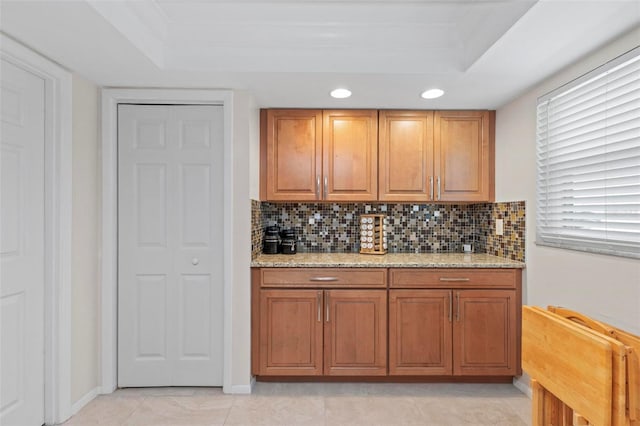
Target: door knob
(195,261)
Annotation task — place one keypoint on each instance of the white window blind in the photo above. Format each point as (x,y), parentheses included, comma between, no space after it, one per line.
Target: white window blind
(588,157)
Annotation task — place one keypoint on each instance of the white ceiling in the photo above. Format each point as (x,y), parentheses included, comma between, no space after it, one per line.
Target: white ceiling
(291,53)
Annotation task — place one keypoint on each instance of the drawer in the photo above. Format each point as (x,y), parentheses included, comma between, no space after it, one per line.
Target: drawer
(324,277)
(453,278)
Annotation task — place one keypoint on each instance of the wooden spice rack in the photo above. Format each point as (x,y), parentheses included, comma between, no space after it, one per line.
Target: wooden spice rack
(373,234)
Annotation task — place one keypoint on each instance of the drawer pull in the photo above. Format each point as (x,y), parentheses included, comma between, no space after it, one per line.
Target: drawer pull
(323,279)
(431,187)
(326,187)
(454,280)
(326,301)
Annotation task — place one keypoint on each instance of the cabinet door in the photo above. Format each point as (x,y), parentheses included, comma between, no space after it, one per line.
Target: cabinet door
(420,332)
(463,156)
(484,332)
(293,152)
(355,339)
(405,148)
(291,332)
(350,149)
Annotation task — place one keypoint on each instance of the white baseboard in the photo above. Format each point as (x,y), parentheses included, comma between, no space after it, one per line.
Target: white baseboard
(104,390)
(522,384)
(243,389)
(79,404)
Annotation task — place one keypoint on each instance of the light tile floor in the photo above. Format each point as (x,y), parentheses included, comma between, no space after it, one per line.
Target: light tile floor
(277,404)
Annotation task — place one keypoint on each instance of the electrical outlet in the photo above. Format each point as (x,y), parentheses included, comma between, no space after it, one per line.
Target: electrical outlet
(499,226)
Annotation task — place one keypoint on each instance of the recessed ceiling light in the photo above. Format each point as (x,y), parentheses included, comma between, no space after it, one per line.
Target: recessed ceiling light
(432,93)
(341,93)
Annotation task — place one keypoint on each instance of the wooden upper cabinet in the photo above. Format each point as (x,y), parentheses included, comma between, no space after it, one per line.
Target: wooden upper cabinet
(369,155)
(350,161)
(291,155)
(405,148)
(463,155)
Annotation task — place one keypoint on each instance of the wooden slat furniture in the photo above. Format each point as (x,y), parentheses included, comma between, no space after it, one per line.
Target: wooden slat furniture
(581,374)
(632,359)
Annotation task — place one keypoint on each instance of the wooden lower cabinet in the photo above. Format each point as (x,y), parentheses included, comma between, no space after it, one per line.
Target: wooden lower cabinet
(484,333)
(322,332)
(428,322)
(420,332)
(459,332)
(355,333)
(290,333)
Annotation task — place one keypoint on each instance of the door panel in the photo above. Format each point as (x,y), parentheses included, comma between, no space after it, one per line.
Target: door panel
(406,156)
(170,275)
(151,317)
(462,158)
(293,154)
(151,196)
(291,332)
(195,182)
(11,205)
(14,351)
(485,332)
(350,149)
(420,340)
(22,239)
(355,341)
(195,317)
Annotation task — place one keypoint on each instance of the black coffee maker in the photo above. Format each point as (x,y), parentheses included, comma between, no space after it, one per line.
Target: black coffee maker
(288,243)
(271,240)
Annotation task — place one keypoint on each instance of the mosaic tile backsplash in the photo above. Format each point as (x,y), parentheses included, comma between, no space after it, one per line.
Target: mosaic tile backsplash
(414,228)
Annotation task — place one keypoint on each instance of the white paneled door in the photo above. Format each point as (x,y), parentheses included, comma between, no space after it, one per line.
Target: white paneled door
(21,247)
(170,232)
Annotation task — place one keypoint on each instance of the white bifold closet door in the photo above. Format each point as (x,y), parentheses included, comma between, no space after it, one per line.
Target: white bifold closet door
(22,130)
(170,234)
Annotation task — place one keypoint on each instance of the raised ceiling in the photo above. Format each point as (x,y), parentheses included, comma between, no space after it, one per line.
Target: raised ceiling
(289,53)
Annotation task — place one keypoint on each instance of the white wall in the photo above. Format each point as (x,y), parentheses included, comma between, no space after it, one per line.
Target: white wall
(85,240)
(604,287)
(254,151)
(245,123)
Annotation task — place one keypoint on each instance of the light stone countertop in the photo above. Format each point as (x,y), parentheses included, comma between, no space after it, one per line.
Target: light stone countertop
(389,260)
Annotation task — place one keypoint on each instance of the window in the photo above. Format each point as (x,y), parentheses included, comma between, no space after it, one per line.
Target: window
(588,143)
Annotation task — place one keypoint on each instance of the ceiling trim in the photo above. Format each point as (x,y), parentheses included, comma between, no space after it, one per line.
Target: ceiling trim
(144,24)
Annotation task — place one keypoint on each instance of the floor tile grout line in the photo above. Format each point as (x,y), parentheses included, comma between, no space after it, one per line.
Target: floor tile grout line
(124,421)
(233,403)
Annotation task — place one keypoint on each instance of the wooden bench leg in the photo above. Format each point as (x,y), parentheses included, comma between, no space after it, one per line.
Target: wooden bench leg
(547,410)
(537,403)
(578,420)
(553,413)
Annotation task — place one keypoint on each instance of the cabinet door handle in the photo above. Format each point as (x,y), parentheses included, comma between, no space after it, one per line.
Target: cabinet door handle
(450,307)
(319,297)
(438,188)
(454,280)
(323,279)
(458,306)
(431,187)
(326,187)
(326,303)
(318,186)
